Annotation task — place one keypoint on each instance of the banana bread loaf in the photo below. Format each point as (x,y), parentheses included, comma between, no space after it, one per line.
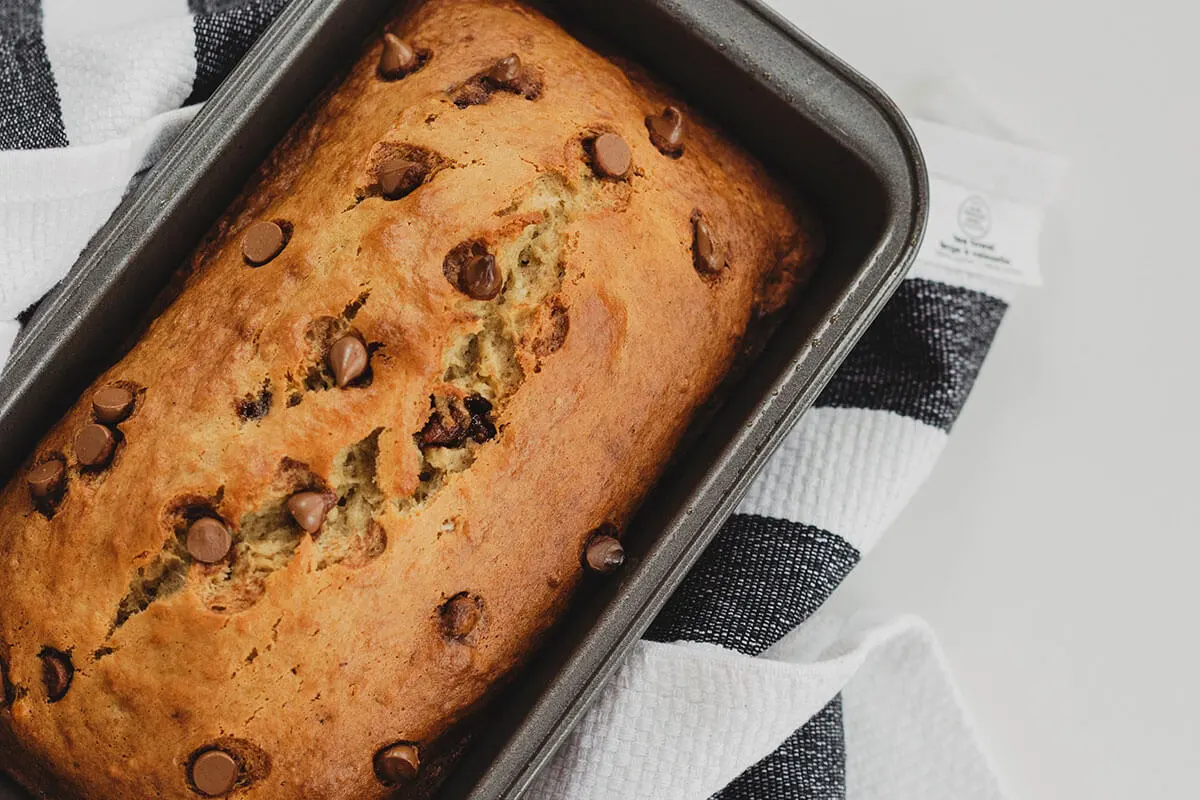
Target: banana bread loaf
(414,385)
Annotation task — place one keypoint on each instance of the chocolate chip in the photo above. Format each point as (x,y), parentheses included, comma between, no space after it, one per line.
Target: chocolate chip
(398,177)
(666,130)
(481,428)
(604,553)
(480,279)
(255,406)
(112,404)
(610,156)
(397,59)
(472,270)
(460,615)
(57,672)
(507,74)
(457,258)
(455,421)
(309,509)
(443,430)
(397,763)
(505,71)
(46,478)
(348,359)
(208,540)
(262,242)
(214,773)
(94,445)
(708,258)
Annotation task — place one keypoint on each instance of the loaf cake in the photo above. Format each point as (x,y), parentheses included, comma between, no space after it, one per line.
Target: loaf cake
(412,388)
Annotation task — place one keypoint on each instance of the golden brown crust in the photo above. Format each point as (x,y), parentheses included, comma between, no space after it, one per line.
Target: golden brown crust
(304,656)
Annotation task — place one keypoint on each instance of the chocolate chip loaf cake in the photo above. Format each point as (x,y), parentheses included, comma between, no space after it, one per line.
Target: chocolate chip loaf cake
(414,385)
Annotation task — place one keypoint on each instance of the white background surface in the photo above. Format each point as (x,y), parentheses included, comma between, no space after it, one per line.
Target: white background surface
(1055,549)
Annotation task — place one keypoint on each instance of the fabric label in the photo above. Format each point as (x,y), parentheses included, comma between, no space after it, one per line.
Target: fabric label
(980,232)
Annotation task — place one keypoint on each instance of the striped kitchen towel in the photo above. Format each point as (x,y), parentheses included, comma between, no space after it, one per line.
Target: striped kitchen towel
(745,686)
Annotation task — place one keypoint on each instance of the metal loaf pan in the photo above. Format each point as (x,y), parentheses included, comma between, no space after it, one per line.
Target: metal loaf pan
(817,123)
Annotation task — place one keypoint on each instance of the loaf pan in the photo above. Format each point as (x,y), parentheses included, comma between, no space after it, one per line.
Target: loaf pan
(815,122)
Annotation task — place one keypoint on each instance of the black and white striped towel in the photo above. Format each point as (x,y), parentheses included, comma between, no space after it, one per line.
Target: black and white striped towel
(730,694)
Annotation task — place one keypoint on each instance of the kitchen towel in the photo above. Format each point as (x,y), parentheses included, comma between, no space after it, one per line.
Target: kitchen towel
(744,687)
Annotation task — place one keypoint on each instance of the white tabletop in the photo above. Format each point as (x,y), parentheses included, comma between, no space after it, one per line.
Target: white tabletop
(1055,547)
